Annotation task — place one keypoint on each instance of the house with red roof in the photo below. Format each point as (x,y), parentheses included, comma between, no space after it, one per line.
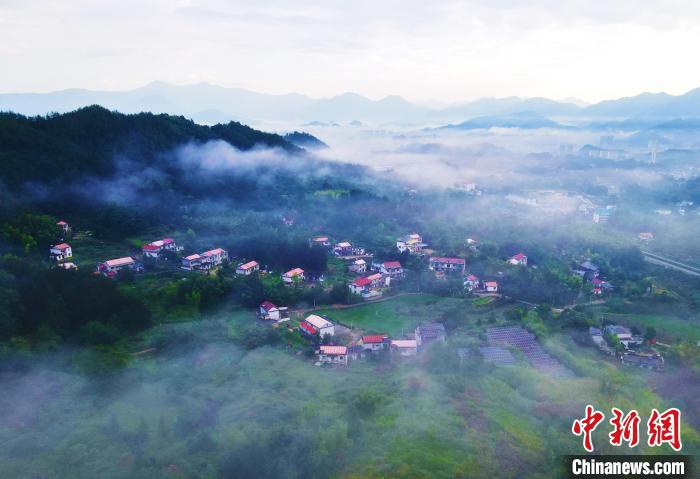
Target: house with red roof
(368,286)
(60,252)
(64,227)
(333,354)
(393,269)
(293,276)
(315,325)
(447,265)
(111,267)
(374,342)
(205,261)
(518,260)
(155,249)
(491,286)
(248,268)
(270,311)
(471,282)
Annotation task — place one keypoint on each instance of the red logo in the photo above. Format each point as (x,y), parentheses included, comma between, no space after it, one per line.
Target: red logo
(665,428)
(587,425)
(662,428)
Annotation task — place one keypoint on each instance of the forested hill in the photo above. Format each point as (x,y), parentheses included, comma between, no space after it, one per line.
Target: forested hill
(85,142)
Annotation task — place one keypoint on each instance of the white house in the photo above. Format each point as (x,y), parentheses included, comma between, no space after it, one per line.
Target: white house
(317,325)
(248,268)
(369,286)
(269,311)
(491,286)
(413,243)
(60,252)
(112,266)
(296,274)
(214,257)
(64,227)
(358,266)
(374,342)
(392,269)
(155,248)
(343,249)
(320,241)
(68,265)
(471,283)
(446,265)
(333,354)
(405,347)
(519,260)
(191,262)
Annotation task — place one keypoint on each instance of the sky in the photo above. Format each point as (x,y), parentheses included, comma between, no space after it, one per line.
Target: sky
(449,51)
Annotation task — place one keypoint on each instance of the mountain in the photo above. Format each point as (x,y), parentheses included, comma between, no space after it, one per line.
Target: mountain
(86,142)
(520,120)
(305,140)
(209,104)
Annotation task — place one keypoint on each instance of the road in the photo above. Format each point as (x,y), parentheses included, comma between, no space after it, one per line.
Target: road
(670,263)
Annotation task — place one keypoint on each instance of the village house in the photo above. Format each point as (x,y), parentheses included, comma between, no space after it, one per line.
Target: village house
(343,249)
(374,342)
(405,347)
(412,243)
(67,265)
(323,241)
(333,354)
(269,311)
(368,287)
(446,265)
(651,360)
(429,333)
(214,257)
(623,334)
(359,266)
(292,276)
(60,252)
(191,262)
(315,325)
(392,269)
(246,269)
(491,286)
(518,260)
(154,249)
(111,267)
(471,283)
(64,227)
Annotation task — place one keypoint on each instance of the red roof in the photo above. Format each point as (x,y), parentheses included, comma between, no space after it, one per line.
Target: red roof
(62,246)
(150,247)
(62,223)
(362,281)
(333,350)
(471,277)
(519,257)
(597,281)
(308,328)
(392,264)
(447,260)
(373,338)
(267,305)
(490,284)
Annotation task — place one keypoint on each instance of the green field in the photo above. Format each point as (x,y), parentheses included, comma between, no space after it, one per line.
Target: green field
(394,316)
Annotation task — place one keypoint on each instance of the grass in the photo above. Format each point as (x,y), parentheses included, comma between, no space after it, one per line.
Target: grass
(667,327)
(393,316)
